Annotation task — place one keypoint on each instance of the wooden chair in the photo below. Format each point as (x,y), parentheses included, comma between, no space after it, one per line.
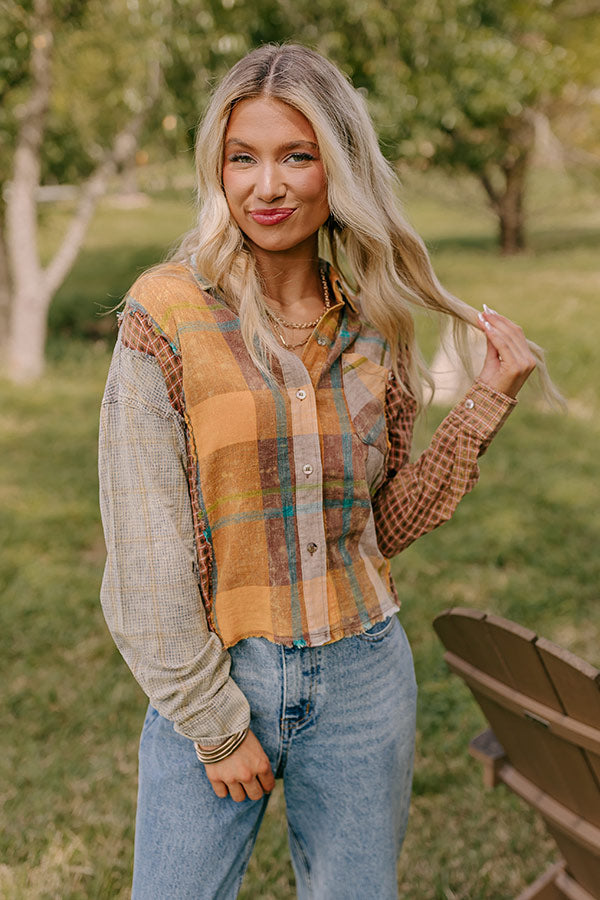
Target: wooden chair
(543,705)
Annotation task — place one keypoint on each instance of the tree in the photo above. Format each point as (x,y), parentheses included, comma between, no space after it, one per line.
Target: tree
(478,73)
(33,128)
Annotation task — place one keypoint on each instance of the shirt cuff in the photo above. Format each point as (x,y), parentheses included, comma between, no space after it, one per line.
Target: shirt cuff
(229,714)
(484,410)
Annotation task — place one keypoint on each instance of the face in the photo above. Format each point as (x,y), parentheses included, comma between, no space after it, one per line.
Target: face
(273,176)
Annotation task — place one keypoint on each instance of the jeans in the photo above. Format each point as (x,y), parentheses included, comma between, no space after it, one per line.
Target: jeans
(337,723)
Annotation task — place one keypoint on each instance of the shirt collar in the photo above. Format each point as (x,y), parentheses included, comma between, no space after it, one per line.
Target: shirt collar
(340,293)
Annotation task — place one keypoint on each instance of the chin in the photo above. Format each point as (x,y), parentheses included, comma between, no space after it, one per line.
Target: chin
(278,243)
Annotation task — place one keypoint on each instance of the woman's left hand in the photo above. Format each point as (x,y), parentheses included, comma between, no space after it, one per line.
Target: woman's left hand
(508,362)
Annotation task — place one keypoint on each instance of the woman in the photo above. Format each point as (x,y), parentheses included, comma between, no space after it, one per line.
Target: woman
(255,481)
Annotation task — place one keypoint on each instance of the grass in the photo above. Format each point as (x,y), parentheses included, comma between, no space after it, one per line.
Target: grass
(524,545)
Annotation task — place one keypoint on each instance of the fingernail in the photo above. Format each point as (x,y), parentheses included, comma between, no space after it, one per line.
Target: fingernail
(481,319)
(489,310)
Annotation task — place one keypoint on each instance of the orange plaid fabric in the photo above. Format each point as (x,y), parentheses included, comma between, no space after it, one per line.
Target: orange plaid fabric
(301,487)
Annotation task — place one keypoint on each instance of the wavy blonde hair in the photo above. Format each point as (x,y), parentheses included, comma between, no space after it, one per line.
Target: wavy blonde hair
(366,237)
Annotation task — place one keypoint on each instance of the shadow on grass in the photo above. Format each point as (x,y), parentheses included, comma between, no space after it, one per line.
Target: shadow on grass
(541,241)
(550,240)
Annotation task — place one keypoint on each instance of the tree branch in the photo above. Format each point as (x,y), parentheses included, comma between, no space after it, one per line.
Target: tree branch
(579,9)
(122,150)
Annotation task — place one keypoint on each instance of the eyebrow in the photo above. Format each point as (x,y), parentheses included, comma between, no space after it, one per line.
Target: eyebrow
(291,146)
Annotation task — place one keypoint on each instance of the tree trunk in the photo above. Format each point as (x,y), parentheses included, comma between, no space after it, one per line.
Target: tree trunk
(33,286)
(27,335)
(5,294)
(506,191)
(21,206)
(511,213)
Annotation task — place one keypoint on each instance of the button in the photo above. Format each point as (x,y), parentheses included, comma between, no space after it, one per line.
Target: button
(469,403)
(321,341)
(307,469)
(301,394)
(312,548)
(391,376)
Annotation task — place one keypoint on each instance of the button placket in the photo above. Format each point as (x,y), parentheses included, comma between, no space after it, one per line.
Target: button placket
(310,526)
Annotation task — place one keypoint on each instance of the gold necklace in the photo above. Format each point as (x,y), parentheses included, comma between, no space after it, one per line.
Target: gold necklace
(302,325)
(287,346)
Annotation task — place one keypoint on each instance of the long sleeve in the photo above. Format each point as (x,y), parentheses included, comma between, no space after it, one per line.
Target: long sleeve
(150,592)
(417,497)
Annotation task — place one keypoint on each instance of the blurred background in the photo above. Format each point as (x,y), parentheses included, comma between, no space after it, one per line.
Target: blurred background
(490,113)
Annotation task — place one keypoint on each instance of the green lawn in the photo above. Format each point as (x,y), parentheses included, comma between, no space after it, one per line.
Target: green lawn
(524,544)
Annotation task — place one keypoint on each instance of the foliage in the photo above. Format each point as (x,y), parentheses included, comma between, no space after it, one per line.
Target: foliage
(524,544)
(101,53)
(445,78)
(449,82)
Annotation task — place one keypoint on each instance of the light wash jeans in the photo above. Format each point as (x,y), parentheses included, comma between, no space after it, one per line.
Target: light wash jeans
(338,724)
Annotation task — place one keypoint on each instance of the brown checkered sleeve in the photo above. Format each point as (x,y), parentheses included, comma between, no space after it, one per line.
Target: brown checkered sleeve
(417,497)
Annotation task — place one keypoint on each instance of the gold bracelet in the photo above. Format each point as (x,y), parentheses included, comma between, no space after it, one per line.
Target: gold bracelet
(222,751)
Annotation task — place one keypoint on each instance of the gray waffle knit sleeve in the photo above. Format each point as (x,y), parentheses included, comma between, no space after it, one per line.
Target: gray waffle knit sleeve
(150,594)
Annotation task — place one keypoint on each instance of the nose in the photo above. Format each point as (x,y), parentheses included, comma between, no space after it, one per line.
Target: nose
(269,183)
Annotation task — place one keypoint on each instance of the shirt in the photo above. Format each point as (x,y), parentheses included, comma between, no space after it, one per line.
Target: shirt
(210,476)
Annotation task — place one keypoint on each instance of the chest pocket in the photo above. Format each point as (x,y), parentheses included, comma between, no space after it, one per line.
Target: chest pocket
(365,385)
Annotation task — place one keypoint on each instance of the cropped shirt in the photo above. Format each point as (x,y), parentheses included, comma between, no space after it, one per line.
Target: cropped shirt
(238,505)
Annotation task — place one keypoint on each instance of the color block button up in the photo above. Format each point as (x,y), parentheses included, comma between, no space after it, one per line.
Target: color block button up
(266,547)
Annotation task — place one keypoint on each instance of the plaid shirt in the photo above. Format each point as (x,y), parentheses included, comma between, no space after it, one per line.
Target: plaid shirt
(235,506)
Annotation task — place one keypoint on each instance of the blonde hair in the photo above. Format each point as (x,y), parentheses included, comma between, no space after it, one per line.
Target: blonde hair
(366,237)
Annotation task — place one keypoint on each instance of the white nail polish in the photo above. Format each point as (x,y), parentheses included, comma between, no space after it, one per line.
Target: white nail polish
(486,308)
(481,319)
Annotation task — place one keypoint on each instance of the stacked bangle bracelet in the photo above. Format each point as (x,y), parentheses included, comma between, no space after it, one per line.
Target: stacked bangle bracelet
(216,754)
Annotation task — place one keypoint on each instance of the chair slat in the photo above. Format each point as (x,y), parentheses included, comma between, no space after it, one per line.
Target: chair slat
(460,631)
(544,887)
(576,682)
(555,766)
(517,647)
(583,865)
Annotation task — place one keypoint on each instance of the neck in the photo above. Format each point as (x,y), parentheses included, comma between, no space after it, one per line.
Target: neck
(289,277)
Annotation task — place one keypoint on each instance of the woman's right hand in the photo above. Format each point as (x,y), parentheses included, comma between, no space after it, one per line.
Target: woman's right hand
(245,773)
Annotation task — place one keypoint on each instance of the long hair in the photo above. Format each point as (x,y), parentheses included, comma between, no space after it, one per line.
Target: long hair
(367,239)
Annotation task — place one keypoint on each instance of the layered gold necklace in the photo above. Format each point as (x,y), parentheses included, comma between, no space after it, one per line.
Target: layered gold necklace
(278,322)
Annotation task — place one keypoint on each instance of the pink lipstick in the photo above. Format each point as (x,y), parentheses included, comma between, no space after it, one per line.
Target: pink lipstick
(271,216)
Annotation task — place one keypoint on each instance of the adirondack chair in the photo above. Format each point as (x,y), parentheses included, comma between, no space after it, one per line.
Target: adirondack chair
(543,705)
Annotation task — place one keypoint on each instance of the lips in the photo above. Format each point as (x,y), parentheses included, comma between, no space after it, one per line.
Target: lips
(271,216)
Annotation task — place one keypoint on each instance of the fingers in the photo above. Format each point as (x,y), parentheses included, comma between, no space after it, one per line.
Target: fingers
(509,361)
(253,789)
(245,773)
(507,336)
(220,789)
(267,780)
(240,790)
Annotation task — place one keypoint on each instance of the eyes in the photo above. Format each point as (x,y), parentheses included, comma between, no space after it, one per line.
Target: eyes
(296,158)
